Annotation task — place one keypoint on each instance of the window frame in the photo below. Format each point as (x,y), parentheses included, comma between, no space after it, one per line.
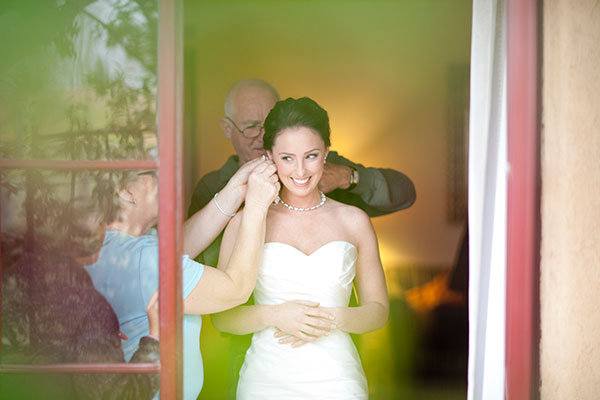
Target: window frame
(523,200)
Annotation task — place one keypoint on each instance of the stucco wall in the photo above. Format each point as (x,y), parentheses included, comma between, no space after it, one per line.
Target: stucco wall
(570,264)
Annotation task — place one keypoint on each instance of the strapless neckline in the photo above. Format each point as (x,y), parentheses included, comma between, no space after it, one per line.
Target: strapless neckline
(315,251)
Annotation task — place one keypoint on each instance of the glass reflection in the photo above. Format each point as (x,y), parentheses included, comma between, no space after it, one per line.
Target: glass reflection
(78,79)
(77,82)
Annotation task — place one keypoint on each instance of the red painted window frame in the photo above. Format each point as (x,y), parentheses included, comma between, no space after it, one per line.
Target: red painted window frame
(523,200)
(170,228)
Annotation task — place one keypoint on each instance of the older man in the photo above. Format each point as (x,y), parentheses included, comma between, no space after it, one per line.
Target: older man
(378,191)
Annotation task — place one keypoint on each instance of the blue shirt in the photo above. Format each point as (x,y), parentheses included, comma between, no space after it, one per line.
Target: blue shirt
(126,273)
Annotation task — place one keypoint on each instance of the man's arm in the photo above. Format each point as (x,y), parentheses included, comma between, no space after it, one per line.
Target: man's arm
(379,191)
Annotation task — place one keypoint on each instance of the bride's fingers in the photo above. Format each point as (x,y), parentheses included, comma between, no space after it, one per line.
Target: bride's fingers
(279,334)
(298,343)
(274,178)
(310,330)
(261,167)
(307,303)
(304,335)
(317,312)
(266,168)
(320,323)
(288,340)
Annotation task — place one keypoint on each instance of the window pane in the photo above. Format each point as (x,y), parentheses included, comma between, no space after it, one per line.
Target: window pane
(77,82)
(78,79)
(53,225)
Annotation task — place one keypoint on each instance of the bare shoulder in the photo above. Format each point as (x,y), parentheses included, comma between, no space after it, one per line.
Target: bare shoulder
(350,216)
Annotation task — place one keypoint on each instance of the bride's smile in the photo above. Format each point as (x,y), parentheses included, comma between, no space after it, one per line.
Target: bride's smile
(301,182)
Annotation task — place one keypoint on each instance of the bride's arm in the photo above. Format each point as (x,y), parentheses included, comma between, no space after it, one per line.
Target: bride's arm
(241,320)
(372,312)
(302,319)
(299,318)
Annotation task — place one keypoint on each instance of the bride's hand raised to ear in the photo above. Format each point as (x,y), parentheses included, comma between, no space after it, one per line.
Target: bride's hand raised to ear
(301,321)
(263,185)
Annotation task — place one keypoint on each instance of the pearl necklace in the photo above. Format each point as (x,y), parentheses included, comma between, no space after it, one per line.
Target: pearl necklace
(323,198)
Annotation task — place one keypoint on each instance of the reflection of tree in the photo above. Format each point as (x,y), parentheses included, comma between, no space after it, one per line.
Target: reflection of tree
(138,40)
(56,102)
(127,27)
(67,92)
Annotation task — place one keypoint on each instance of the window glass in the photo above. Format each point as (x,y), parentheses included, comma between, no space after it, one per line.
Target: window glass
(78,79)
(77,82)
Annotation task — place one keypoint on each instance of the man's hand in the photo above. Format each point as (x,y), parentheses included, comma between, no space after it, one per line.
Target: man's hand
(335,176)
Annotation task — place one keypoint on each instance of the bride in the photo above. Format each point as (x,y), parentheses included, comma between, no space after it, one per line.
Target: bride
(315,249)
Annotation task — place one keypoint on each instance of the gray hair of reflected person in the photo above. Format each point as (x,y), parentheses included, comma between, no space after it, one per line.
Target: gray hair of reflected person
(229,108)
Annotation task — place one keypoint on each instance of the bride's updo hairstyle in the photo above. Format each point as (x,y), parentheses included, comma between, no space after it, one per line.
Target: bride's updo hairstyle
(291,113)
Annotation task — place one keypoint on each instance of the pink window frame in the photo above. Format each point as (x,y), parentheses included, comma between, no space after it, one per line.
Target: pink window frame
(523,200)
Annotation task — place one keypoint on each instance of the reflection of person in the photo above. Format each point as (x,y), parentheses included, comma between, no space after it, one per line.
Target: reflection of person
(127,268)
(315,248)
(51,313)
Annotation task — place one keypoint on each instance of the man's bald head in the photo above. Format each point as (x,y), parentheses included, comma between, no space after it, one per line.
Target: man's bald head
(247,104)
(244,86)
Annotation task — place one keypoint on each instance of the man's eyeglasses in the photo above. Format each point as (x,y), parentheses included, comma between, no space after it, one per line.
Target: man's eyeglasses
(250,132)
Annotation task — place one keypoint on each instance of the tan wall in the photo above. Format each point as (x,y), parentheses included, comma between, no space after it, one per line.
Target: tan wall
(570,264)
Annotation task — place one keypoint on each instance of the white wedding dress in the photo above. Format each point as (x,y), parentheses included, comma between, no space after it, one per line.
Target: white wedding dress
(328,368)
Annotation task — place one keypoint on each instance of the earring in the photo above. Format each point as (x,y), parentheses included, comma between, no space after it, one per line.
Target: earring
(133,202)
(324,161)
